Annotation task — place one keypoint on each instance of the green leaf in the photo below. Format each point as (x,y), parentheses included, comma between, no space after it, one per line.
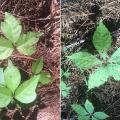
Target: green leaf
(5,96)
(25,93)
(27,51)
(100,115)
(65,93)
(64,89)
(84,60)
(2,81)
(67,74)
(11,27)
(79,109)
(80,117)
(93,118)
(114,71)
(26,42)
(45,78)
(102,38)
(6,48)
(37,66)
(115,56)
(89,106)
(12,77)
(97,78)
(61,72)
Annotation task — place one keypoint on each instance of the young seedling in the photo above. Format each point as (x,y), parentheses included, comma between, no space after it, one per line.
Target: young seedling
(14,39)
(87,112)
(37,70)
(65,89)
(11,88)
(106,66)
(65,74)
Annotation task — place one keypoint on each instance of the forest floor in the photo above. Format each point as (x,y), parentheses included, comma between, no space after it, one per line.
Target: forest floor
(79,21)
(42,16)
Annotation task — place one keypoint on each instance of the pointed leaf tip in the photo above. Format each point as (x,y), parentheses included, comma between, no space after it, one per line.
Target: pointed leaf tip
(37,66)
(11,27)
(26,92)
(5,96)
(89,106)
(102,38)
(12,77)
(84,60)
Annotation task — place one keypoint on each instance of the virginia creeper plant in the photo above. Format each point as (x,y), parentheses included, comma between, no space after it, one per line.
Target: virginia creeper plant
(105,66)
(14,39)
(87,112)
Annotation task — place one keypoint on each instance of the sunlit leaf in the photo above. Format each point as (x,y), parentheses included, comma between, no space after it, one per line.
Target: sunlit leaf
(45,78)
(89,106)
(102,38)
(5,96)
(11,27)
(115,56)
(84,60)
(81,117)
(6,48)
(79,109)
(26,92)
(114,71)
(37,66)
(26,42)
(64,89)
(97,78)
(12,77)
(2,81)
(100,115)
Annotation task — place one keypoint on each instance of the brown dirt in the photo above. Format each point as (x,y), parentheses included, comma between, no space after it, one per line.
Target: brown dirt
(39,15)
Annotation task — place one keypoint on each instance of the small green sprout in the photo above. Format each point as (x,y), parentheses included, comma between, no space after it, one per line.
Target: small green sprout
(87,112)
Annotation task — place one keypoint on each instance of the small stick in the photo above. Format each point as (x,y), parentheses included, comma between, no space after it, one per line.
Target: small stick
(26,57)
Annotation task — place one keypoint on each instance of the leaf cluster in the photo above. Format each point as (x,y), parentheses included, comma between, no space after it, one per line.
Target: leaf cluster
(15,39)
(87,112)
(12,88)
(105,66)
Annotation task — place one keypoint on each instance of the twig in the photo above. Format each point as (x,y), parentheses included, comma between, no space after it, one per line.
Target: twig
(26,57)
(24,70)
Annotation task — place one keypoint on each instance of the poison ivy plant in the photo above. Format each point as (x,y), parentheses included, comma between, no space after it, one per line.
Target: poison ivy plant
(11,88)
(87,112)
(105,66)
(37,70)
(14,39)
